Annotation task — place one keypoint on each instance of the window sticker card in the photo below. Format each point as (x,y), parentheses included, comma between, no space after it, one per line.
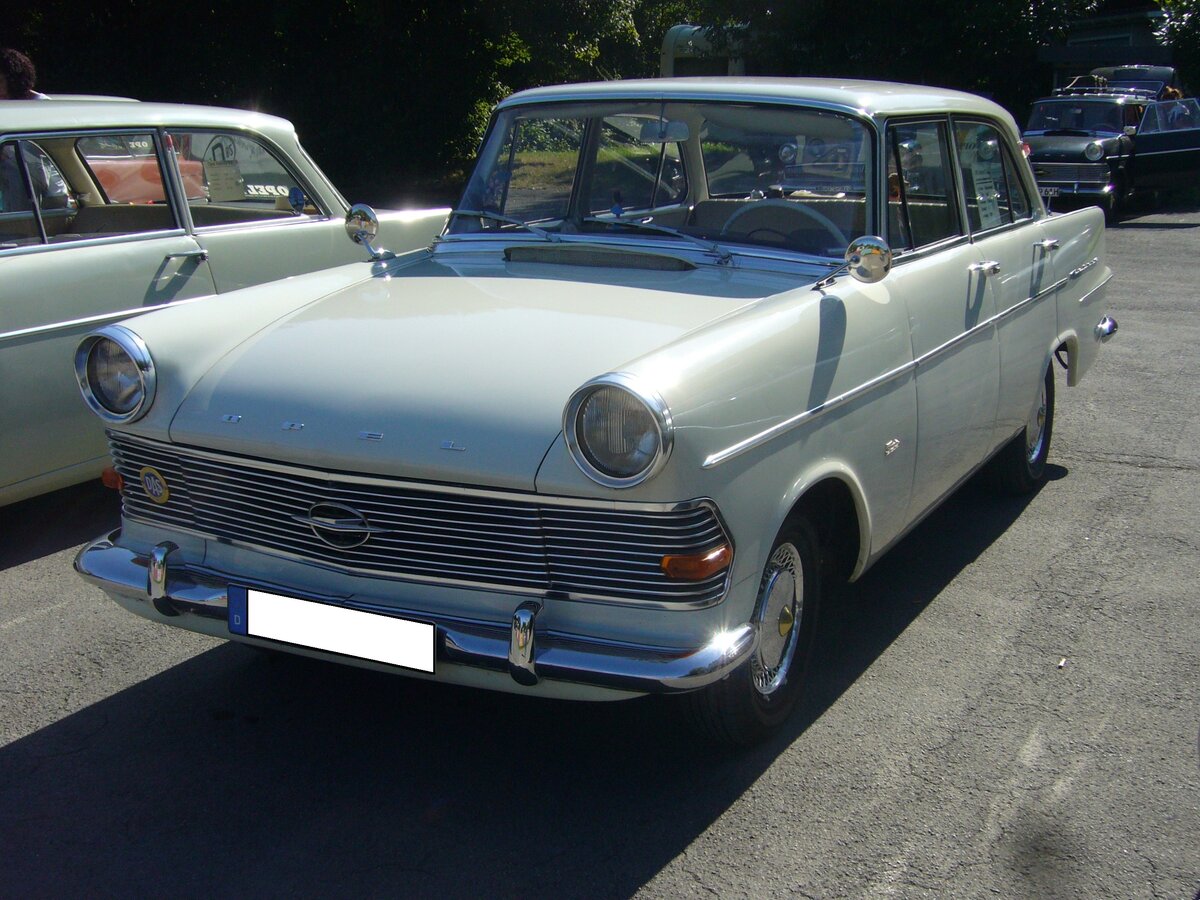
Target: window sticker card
(224,181)
(987,196)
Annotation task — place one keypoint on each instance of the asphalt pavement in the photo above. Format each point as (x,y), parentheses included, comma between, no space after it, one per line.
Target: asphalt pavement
(1007,705)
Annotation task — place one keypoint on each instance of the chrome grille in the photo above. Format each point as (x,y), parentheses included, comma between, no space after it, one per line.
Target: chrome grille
(1087,173)
(430,532)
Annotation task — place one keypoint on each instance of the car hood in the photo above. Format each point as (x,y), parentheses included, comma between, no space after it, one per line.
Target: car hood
(445,373)
(1064,147)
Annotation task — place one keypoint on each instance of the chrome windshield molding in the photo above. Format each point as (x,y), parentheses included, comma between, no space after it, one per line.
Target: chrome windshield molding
(649,398)
(93,320)
(199,591)
(133,347)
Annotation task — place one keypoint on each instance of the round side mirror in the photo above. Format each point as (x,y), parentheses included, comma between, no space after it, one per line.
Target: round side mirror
(869,259)
(362,224)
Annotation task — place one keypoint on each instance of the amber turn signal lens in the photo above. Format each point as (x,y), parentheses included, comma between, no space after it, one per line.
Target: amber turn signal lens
(698,566)
(112,479)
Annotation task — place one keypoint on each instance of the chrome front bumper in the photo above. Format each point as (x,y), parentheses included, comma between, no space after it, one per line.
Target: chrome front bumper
(519,647)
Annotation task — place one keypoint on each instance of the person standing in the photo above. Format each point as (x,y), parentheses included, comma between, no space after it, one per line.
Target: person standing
(17,76)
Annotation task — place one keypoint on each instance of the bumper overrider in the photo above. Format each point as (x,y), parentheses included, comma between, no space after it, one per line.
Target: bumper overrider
(155,587)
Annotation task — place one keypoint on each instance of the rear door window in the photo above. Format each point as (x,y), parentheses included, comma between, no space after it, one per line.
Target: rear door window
(994,192)
(231,178)
(922,203)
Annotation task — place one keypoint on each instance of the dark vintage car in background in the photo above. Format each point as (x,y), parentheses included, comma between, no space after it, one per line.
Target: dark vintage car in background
(1111,135)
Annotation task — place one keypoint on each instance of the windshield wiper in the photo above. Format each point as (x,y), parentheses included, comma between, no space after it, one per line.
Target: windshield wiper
(723,255)
(509,220)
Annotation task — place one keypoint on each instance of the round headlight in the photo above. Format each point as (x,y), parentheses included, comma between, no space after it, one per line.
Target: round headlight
(1094,151)
(115,374)
(618,433)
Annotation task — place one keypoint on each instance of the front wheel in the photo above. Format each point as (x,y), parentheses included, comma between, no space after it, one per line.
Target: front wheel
(1021,465)
(749,704)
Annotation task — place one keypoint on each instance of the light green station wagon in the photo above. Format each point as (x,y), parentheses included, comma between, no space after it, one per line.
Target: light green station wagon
(687,352)
(108,208)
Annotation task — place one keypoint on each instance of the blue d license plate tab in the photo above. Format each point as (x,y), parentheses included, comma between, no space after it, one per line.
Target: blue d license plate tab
(236,597)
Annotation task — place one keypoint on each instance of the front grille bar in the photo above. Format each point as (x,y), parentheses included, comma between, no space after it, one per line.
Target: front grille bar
(527,543)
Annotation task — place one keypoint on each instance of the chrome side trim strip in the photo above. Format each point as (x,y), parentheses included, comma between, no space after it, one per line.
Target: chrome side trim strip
(795,421)
(1164,152)
(94,320)
(1103,284)
(854,393)
(1029,301)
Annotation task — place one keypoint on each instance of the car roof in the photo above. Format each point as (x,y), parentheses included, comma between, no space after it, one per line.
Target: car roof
(56,115)
(871,98)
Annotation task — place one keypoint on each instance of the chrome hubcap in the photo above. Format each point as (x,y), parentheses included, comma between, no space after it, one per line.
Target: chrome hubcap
(1035,428)
(782,608)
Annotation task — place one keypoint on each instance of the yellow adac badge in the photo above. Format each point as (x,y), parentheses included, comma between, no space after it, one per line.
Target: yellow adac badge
(155,485)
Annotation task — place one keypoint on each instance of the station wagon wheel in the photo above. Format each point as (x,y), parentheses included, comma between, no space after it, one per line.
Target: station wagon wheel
(753,701)
(1021,465)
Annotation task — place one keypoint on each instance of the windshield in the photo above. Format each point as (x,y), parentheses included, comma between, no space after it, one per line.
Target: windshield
(1077,115)
(733,173)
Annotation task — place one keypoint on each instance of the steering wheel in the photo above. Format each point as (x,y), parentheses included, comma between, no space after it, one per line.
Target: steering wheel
(800,209)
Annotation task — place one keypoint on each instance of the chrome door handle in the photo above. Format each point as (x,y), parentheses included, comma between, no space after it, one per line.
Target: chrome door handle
(198,255)
(987,267)
(1049,244)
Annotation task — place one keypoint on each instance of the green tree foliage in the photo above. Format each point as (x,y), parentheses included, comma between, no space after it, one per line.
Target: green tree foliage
(391,98)
(1181,32)
(989,48)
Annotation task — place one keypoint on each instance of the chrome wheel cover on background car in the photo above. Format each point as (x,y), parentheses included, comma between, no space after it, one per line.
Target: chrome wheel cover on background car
(1035,429)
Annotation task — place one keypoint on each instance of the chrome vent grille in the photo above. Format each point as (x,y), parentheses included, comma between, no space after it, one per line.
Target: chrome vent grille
(426,531)
(1086,173)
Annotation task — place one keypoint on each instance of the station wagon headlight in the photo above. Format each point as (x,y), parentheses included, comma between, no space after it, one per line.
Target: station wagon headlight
(115,374)
(1094,151)
(619,433)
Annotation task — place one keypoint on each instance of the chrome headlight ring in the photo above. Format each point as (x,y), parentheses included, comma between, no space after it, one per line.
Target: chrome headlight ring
(1094,151)
(659,415)
(140,367)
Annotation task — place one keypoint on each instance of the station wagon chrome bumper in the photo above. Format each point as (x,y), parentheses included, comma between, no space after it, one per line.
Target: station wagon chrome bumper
(518,647)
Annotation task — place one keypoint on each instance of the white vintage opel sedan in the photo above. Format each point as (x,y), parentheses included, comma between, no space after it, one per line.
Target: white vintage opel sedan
(111,207)
(687,351)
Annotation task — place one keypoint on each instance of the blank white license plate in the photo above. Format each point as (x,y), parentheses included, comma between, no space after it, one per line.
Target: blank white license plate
(1048,191)
(398,642)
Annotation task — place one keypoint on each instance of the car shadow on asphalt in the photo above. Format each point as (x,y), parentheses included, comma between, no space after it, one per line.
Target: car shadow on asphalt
(52,522)
(275,775)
